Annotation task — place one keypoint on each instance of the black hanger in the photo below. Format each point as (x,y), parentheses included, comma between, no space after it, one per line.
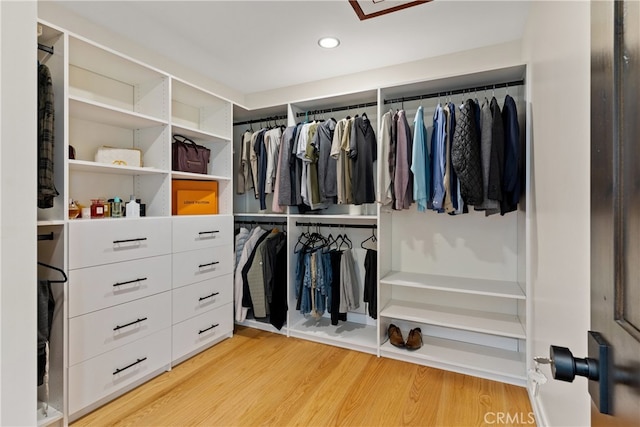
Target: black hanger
(371,238)
(56,269)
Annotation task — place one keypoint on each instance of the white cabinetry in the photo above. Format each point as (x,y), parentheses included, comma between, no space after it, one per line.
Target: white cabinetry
(117,300)
(114,323)
(202,292)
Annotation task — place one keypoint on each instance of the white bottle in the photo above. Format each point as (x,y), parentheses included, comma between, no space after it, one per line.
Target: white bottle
(133,208)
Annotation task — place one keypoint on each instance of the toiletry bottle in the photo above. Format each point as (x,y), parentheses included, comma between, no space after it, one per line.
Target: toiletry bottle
(116,208)
(133,208)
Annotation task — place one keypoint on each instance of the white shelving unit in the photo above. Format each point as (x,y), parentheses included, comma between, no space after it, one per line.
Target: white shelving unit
(461,279)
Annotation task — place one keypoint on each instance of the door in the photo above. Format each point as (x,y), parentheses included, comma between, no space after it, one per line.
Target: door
(615,201)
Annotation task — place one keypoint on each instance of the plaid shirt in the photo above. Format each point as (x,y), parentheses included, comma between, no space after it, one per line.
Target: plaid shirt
(46,187)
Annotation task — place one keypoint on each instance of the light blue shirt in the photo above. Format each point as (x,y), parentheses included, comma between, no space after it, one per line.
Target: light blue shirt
(439,157)
(420,164)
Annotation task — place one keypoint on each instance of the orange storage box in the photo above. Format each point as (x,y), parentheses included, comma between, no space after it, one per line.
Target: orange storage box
(193,197)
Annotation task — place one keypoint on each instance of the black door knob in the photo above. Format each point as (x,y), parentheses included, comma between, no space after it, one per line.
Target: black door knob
(565,367)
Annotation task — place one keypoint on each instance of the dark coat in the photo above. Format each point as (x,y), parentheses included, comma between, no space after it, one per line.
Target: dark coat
(465,155)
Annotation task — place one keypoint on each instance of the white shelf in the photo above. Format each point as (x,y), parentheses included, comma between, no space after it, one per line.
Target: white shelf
(334,216)
(52,416)
(468,358)
(198,176)
(199,136)
(94,167)
(496,288)
(261,215)
(351,335)
(98,112)
(44,223)
(263,326)
(471,320)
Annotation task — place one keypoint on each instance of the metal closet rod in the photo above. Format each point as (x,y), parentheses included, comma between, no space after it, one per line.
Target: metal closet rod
(239,221)
(454,92)
(45,48)
(328,224)
(331,110)
(266,119)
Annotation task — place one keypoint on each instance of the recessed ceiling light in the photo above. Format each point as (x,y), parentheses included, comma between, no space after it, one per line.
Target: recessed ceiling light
(328,42)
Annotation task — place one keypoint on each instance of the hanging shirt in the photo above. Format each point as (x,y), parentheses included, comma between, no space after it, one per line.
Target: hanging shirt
(439,154)
(363,155)
(384,139)
(253,160)
(327,170)
(337,154)
(285,170)
(486,136)
(46,186)
(244,167)
(346,163)
(348,283)
(420,162)
(273,138)
(511,179)
(496,167)
(403,180)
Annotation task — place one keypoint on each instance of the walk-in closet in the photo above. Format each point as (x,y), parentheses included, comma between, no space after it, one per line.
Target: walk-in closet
(387,214)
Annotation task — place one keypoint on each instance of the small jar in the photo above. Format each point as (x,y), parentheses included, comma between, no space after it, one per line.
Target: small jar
(107,208)
(74,210)
(116,207)
(97,208)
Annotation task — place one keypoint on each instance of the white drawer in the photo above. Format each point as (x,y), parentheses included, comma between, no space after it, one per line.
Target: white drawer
(98,332)
(190,233)
(197,266)
(95,288)
(198,331)
(191,300)
(101,376)
(104,241)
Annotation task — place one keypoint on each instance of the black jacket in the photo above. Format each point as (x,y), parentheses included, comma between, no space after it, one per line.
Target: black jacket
(465,155)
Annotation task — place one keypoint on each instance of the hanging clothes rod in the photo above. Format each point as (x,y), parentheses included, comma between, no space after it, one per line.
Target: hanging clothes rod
(331,110)
(45,48)
(327,224)
(266,119)
(238,221)
(48,236)
(454,92)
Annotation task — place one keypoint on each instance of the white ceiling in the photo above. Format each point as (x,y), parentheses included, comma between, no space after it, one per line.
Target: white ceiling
(253,46)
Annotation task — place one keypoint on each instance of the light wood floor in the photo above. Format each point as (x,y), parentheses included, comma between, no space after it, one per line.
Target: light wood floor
(260,378)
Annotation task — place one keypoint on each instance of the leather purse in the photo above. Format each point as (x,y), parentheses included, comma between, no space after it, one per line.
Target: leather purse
(187,156)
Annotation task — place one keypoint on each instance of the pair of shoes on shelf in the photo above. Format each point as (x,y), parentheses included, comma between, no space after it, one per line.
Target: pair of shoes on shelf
(414,340)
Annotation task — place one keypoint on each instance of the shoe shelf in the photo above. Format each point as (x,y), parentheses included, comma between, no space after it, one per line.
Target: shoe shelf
(506,325)
(472,359)
(351,335)
(496,288)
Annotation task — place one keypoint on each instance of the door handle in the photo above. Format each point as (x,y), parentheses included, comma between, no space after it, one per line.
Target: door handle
(596,367)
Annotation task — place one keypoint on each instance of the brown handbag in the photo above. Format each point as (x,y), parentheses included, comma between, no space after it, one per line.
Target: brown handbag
(187,156)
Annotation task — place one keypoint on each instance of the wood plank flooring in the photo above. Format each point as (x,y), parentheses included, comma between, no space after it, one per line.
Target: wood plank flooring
(259,378)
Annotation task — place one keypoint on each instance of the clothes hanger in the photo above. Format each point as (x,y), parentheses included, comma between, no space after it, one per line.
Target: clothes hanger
(373,239)
(56,269)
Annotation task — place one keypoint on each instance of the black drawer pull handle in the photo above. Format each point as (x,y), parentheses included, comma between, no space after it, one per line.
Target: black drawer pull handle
(208,232)
(129,324)
(130,281)
(208,296)
(209,264)
(209,328)
(117,371)
(139,239)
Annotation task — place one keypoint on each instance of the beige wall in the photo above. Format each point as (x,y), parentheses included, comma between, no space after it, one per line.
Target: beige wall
(556,44)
